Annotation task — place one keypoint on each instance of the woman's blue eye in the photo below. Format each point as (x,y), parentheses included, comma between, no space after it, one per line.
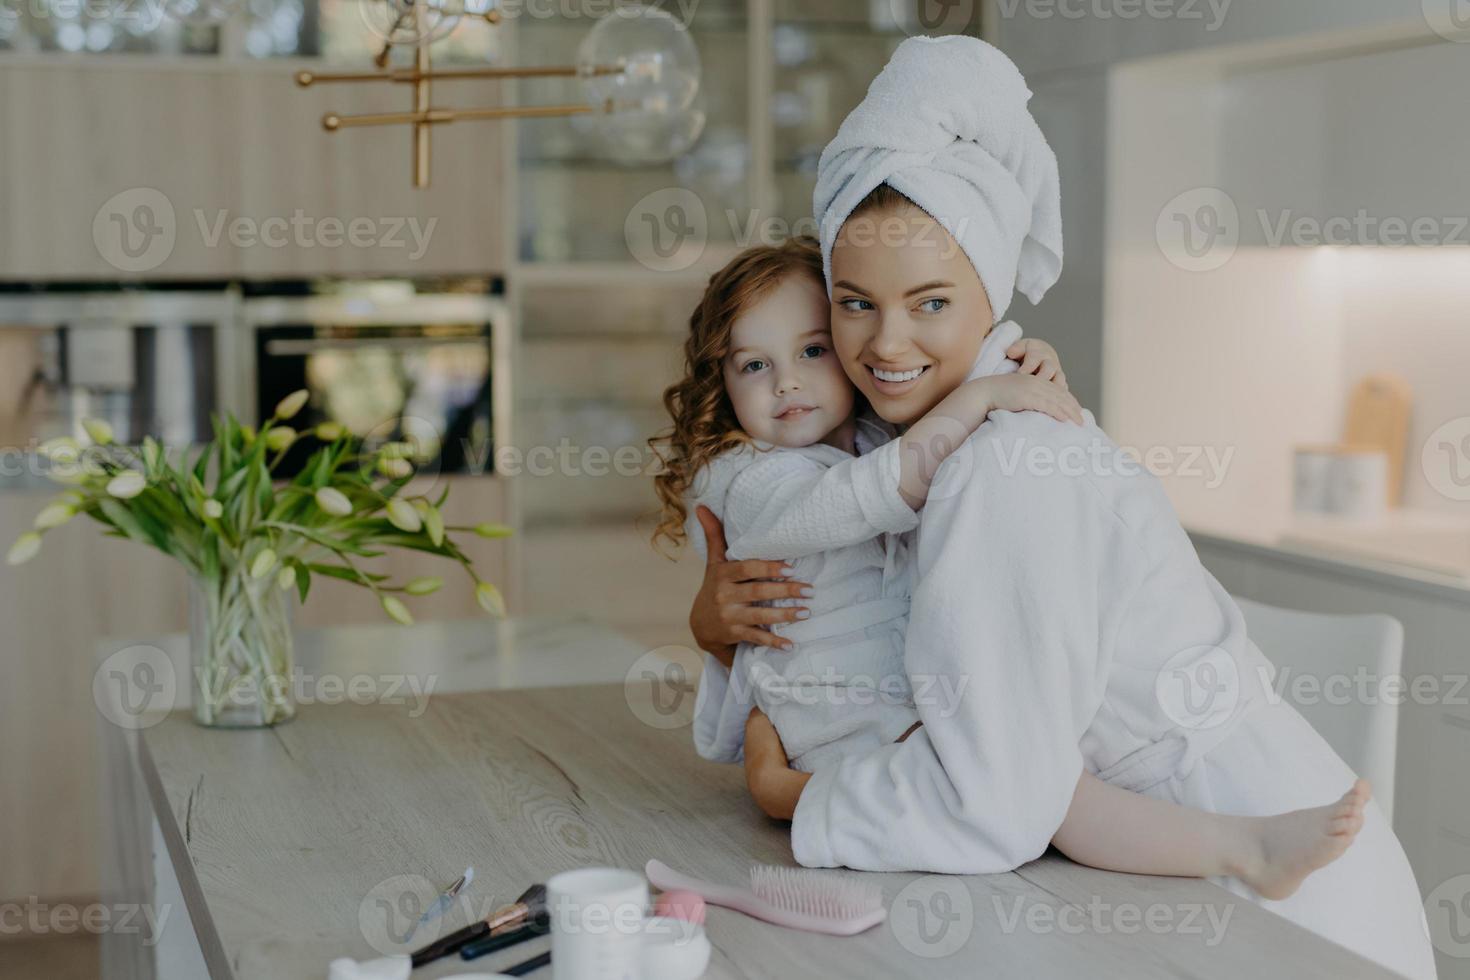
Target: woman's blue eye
(814,350)
(750,367)
(857,305)
(933,305)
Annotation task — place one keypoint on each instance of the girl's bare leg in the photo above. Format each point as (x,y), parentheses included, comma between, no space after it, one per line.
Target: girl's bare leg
(1113,829)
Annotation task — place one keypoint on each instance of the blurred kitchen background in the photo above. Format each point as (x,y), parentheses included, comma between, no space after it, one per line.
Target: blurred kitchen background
(179,235)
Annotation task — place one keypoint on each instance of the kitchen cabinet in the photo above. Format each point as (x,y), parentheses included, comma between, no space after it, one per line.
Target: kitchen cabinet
(126,168)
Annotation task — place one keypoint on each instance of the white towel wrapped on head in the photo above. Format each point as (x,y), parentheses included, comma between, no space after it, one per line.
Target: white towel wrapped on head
(947,124)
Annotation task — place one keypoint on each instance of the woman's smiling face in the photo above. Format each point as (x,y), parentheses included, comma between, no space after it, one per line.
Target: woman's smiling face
(908,310)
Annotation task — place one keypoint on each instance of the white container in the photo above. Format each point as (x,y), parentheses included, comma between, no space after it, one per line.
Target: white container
(1358,486)
(1312,484)
(597,922)
(674,950)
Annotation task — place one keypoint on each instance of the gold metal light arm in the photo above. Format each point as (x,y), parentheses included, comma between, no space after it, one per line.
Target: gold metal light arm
(423,117)
(333,122)
(306,79)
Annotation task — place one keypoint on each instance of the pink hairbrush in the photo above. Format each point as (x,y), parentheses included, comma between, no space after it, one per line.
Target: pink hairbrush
(813,901)
(678,904)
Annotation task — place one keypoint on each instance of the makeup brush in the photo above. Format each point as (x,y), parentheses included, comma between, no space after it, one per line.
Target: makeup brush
(531,902)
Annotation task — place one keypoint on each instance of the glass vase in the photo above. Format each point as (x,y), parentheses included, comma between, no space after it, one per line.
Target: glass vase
(240,641)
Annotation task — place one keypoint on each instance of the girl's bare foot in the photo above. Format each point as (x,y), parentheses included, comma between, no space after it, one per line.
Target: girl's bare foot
(1289,846)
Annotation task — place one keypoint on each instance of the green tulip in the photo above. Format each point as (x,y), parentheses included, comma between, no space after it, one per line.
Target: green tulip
(424,586)
(395,469)
(434,524)
(279,439)
(25,548)
(396,610)
(127,485)
(402,516)
(263,563)
(213,509)
(330,431)
(333,501)
(286,577)
(63,447)
(288,407)
(98,430)
(54,515)
(490,599)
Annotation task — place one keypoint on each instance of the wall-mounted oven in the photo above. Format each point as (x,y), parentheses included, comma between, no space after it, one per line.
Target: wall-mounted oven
(388,360)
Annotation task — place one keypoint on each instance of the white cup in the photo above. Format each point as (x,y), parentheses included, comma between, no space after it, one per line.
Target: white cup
(1313,481)
(1359,485)
(597,924)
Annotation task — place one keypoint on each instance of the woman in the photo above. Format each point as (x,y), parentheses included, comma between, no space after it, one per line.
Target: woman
(1099,641)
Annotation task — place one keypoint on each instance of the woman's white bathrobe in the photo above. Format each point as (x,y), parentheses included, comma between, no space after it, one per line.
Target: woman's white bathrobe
(1054,582)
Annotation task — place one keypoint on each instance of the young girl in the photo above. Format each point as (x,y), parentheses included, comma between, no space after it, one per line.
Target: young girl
(766,426)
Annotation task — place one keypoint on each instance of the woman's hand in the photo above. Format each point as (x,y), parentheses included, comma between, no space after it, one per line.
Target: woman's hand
(725,611)
(1039,358)
(775,786)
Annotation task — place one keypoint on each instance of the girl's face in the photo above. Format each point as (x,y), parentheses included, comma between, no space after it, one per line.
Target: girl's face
(782,376)
(908,311)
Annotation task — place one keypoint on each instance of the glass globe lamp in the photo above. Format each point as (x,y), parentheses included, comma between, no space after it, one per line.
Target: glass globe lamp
(640,67)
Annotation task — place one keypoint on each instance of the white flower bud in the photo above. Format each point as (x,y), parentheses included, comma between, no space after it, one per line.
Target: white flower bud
(127,485)
(333,501)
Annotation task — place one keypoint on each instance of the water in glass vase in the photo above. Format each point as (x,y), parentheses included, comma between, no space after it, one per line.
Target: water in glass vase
(240,639)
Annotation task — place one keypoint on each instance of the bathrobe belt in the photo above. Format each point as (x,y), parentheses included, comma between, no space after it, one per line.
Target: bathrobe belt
(848,619)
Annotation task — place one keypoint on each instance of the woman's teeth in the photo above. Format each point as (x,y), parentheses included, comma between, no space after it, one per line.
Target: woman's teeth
(897,377)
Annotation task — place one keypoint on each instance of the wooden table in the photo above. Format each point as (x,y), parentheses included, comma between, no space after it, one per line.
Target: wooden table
(293,845)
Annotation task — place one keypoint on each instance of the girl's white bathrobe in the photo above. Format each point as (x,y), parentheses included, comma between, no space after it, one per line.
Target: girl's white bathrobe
(837,518)
(1056,591)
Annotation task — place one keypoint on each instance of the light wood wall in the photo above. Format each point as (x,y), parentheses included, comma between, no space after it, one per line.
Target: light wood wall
(239,140)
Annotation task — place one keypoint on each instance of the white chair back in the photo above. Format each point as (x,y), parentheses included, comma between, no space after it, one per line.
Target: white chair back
(1336,652)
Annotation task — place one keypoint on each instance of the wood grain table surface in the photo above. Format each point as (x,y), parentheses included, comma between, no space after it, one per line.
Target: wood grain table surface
(323,837)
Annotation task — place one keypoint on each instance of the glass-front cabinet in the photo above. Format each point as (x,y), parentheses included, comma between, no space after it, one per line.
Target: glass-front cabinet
(601,319)
(779,76)
(575,195)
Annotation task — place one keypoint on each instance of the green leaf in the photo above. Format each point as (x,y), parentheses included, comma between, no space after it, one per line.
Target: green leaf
(231,486)
(265,494)
(394,538)
(209,555)
(303,582)
(347,574)
(201,467)
(351,546)
(227,433)
(124,520)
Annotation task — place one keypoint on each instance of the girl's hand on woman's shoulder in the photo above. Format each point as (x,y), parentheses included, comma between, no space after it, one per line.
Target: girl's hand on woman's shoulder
(1027,393)
(1039,358)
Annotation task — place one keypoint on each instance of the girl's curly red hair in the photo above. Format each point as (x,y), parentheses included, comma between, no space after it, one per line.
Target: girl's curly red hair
(704,423)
